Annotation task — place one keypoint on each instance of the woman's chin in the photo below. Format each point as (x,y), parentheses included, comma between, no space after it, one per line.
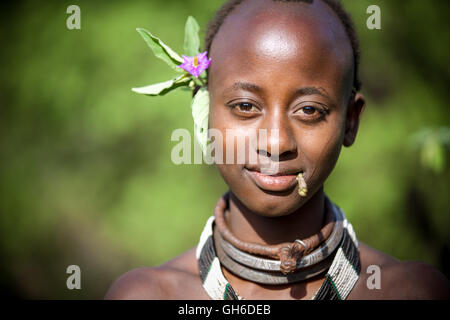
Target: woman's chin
(271,204)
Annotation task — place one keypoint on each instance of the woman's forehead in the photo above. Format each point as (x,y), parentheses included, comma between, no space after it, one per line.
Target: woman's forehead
(252,20)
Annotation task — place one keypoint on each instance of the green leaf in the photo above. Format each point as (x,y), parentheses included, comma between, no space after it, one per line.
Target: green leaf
(200,114)
(433,155)
(191,38)
(159,89)
(432,143)
(161,50)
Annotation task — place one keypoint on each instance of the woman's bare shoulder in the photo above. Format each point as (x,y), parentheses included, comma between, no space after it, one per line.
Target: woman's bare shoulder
(172,280)
(383,277)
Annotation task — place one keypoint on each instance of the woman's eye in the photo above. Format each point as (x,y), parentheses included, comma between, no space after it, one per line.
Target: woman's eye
(245,107)
(311,113)
(308,110)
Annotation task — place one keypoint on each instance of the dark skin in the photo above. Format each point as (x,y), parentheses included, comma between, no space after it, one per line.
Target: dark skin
(291,70)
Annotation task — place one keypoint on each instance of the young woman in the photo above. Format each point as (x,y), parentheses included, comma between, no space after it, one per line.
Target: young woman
(289,67)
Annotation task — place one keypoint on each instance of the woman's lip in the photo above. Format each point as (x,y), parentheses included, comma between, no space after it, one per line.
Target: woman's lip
(274,182)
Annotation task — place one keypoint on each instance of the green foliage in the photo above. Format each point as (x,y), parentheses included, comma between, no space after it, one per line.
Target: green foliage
(432,144)
(173,59)
(200,114)
(161,50)
(160,89)
(191,37)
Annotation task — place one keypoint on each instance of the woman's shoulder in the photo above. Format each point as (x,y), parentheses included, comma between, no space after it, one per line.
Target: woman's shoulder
(383,277)
(176,279)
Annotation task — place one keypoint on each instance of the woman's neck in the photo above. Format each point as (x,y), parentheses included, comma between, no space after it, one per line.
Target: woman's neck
(250,227)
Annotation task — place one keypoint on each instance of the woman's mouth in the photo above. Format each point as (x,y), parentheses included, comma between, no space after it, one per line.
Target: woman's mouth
(275,182)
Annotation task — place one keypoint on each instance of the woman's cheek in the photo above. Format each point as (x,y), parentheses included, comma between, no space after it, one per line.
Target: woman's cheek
(321,154)
(236,138)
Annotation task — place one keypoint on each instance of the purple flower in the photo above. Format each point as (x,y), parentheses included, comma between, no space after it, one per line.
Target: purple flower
(197,64)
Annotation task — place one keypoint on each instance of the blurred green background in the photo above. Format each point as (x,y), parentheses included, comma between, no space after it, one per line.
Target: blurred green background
(86,176)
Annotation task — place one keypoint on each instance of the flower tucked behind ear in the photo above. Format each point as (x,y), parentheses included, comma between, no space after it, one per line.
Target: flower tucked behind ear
(196,65)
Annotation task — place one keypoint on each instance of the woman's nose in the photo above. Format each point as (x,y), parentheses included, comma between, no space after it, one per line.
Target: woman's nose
(281,143)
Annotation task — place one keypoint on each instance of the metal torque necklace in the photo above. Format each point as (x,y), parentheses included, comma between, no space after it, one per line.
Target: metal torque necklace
(287,262)
(337,254)
(288,254)
(268,271)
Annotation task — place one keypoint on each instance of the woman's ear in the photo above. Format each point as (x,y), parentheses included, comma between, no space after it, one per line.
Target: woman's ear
(354,111)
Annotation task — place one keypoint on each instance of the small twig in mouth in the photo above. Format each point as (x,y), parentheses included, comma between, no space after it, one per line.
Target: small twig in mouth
(302,188)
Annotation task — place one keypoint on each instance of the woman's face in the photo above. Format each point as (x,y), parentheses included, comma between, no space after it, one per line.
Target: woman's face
(285,68)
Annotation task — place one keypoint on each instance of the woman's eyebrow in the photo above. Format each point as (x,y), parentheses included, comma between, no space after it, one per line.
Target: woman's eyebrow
(243,86)
(305,91)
